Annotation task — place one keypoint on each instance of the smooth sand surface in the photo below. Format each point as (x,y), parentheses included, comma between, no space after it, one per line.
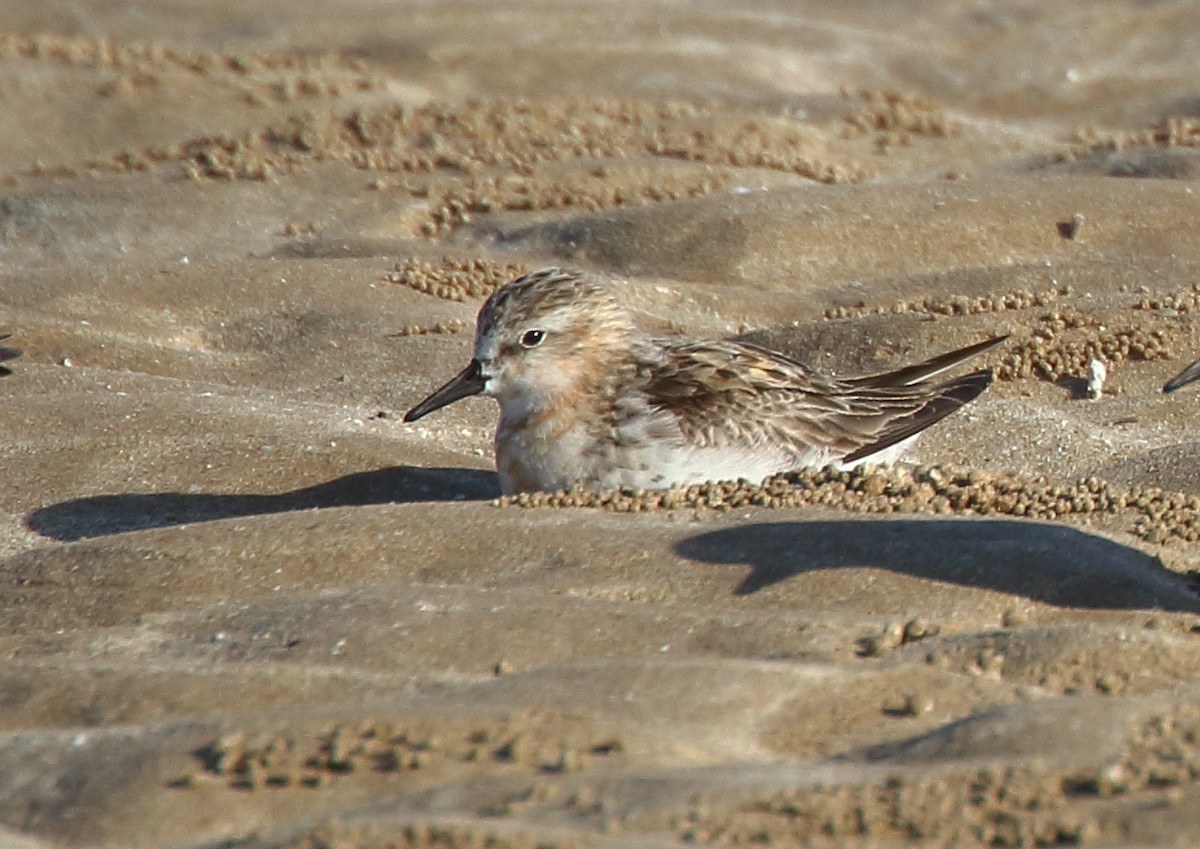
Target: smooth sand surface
(243,604)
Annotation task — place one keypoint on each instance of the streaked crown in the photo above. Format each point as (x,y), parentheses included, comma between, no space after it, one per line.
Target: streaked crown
(552,301)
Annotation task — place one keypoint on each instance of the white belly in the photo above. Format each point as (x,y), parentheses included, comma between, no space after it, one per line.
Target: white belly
(662,467)
(525,461)
(526,464)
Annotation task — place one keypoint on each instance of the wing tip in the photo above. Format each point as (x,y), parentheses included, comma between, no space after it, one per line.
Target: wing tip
(951,396)
(928,369)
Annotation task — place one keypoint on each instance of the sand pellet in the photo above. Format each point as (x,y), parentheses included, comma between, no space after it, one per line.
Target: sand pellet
(1152,514)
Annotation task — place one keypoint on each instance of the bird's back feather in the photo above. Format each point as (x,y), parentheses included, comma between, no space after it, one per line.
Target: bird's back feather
(732,393)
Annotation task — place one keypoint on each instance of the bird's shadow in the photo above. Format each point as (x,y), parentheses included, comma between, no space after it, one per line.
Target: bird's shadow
(1043,562)
(101,515)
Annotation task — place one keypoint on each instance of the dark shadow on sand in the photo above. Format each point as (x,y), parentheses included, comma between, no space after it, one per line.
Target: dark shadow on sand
(101,515)
(1076,387)
(1043,562)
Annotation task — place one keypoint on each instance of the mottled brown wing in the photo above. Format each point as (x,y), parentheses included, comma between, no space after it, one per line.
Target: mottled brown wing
(727,393)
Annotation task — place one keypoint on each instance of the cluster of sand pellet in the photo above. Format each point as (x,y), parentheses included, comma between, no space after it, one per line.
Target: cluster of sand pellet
(103,52)
(957,304)
(1063,666)
(510,134)
(1173,132)
(895,118)
(1050,352)
(258,78)
(454,279)
(281,760)
(1164,752)
(288,760)
(515,136)
(598,188)
(1020,806)
(223,157)
(1155,515)
(423,835)
(769,142)
(452,326)
(1063,343)
(894,635)
(990,807)
(1183,301)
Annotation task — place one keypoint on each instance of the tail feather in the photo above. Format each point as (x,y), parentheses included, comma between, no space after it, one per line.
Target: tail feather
(949,398)
(928,369)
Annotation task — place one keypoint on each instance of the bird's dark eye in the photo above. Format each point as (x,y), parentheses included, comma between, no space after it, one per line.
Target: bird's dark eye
(532,338)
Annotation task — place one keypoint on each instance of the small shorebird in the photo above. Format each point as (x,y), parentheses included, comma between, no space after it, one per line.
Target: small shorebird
(1190,373)
(588,399)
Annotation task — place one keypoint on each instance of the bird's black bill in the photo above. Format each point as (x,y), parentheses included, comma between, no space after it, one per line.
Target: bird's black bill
(469,381)
(1192,372)
(7,353)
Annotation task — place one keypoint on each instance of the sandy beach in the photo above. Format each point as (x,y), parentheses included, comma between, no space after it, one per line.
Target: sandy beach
(243,604)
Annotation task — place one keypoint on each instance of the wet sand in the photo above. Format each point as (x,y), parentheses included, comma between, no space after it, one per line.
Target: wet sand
(244,604)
